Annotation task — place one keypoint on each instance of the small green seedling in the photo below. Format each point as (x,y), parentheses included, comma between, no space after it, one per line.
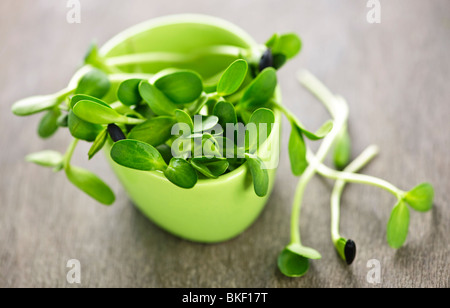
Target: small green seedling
(293,262)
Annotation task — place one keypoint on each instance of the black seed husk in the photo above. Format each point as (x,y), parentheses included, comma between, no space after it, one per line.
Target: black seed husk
(266,60)
(350,252)
(115,132)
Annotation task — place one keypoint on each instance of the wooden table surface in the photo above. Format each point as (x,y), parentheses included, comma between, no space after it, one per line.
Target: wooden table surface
(395,76)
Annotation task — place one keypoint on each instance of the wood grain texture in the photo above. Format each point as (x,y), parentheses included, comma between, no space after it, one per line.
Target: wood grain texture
(395,76)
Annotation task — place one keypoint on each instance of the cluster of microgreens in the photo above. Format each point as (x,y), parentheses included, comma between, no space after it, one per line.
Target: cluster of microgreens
(136,114)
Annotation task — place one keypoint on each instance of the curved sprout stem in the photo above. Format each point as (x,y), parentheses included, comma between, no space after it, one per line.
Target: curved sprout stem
(339,110)
(69,154)
(358,178)
(360,162)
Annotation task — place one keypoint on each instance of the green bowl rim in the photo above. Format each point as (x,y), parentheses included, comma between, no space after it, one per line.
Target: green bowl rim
(187,18)
(177,19)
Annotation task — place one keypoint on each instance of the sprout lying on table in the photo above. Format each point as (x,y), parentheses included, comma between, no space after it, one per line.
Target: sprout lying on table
(173,122)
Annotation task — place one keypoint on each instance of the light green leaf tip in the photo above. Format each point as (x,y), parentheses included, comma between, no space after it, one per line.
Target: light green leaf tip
(303,251)
(233,78)
(398,225)
(421,197)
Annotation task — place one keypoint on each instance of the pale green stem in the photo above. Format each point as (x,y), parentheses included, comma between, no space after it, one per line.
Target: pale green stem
(124,109)
(320,91)
(69,154)
(62,95)
(131,121)
(361,161)
(359,178)
(339,110)
(289,115)
(200,104)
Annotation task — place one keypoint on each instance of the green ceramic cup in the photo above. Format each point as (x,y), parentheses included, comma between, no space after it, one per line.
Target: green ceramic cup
(215,210)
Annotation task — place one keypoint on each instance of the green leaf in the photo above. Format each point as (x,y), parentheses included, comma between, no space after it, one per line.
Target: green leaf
(145,111)
(49,124)
(210,88)
(90,184)
(155,131)
(197,106)
(137,155)
(303,251)
(210,147)
(273,39)
(82,97)
(340,247)
(166,152)
(292,265)
(204,123)
(261,89)
(263,120)
(211,168)
(91,55)
(35,104)
(233,78)
(259,174)
(244,115)
(128,92)
(96,113)
(98,144)
(279,60)
(342,150)
(181,87)
(421,197)
(226,113)
(63,120)
(398,225)
(297,152)
(81,129)
(158,102)
(95,83)
(183,117)
(288,45)
(181,173)
(48,158)
(321,133)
